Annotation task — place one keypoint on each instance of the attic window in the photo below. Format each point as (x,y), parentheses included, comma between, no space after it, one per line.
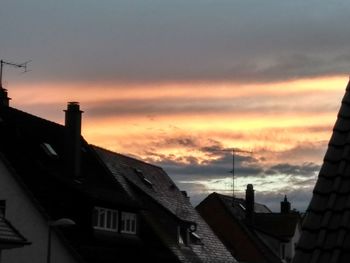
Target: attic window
(49,150)
(105,219)
(128,224)
(143,178)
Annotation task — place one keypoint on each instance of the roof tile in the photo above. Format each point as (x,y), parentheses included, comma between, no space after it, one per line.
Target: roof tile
(329,169)
(326,229)
(342,125)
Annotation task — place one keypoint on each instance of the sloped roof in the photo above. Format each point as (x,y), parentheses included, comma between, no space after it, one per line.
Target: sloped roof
(277,225)
(163,191)
(238,209)
(10,237)
(280,226)
(238,215)
(21,142)
(157,185)
(326,228)
(55,193)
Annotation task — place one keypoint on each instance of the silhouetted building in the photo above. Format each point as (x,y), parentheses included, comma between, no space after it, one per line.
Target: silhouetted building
(123,210)
(250,230)
(10,237)
(326,228)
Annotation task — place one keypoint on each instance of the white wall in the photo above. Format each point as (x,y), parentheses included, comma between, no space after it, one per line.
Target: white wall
(23,214)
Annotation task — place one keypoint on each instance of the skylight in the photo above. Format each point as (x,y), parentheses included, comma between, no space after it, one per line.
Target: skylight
(49,150)
(142,176)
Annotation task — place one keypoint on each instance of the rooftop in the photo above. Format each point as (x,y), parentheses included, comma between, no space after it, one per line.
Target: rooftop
(326,228)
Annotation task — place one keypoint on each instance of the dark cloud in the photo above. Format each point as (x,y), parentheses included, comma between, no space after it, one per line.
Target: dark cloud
(267,105)
(189,173)
(158,40)
(305,169)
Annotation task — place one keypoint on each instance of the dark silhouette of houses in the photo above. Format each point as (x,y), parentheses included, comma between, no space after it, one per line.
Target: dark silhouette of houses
(250,230)
(326,227)
(123,210)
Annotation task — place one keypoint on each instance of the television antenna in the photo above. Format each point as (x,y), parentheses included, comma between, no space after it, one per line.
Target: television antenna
(235,150)
(3,63)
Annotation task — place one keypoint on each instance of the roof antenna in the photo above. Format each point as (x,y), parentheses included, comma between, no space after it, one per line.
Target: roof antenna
(234,150)
(3,62)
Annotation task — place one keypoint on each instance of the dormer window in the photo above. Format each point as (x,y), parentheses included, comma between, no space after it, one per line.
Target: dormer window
(128,223)
(105,219)
(183,235)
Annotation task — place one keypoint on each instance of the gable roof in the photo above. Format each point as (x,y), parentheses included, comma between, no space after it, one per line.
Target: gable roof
(326,228)
(150,179)
(55,193)
(10,237)
(22,143)
(275,225)
(159,188)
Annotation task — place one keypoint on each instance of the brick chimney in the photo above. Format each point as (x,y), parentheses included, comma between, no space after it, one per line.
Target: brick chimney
(285,206)
(249,204)
(73,140)
(4,99)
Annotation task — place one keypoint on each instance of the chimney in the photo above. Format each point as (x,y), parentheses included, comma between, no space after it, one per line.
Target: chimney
(4,99)
(72,139)
(285,206)
(249,203)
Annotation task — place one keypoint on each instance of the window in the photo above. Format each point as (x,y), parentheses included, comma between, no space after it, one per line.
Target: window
(143,178)
(2,207)
(49,150)
(183,235)
(105,219)
(128,224)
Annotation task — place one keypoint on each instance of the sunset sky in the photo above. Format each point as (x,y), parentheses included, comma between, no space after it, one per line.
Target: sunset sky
(180,83)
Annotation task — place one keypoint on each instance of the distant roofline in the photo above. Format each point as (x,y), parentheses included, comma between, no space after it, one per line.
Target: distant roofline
(241,199)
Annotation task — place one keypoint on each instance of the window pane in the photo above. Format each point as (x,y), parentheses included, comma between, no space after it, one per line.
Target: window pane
(127,225)
(109,219)
(114,220)
(102,218)
(123,224)
(95,217)
(133,226)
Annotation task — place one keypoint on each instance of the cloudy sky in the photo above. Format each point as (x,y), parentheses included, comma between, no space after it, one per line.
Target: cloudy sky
(180,83)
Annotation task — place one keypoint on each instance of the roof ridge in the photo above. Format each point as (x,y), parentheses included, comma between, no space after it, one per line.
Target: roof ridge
(35,117)
(124,155)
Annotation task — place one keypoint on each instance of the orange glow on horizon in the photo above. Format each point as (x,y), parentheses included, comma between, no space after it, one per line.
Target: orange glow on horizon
(273,116)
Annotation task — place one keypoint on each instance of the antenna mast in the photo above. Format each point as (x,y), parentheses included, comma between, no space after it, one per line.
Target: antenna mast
(233,176)
(3,62)
(233,171)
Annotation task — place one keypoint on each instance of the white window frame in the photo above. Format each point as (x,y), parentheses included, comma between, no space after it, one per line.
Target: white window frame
(105,218)
(132,217)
